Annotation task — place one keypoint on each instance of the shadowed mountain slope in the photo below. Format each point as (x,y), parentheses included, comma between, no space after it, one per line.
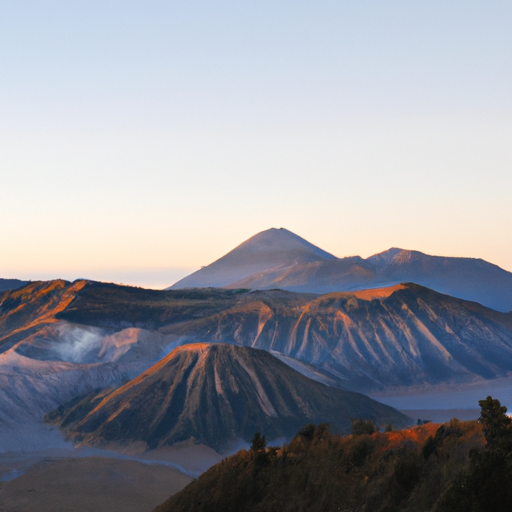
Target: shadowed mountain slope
(215,394)
(11,284)
(31,388)
(280,259)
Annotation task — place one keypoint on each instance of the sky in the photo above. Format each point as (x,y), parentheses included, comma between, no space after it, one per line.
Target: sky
(140,140)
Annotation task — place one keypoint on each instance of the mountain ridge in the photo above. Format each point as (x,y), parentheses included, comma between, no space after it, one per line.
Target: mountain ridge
(403,335)
(11,284)
(467,278)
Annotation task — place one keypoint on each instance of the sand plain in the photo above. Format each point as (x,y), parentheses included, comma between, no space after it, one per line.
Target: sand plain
(89,484)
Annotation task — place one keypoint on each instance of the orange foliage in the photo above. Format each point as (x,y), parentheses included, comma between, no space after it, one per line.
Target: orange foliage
(418,434)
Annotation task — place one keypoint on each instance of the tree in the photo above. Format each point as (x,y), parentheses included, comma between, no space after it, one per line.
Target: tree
(486,484)
(360,427)
(259,443)
(307,432)
(497,425)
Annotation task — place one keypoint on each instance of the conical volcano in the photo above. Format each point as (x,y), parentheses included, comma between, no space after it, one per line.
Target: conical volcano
(214,394)
(273,249)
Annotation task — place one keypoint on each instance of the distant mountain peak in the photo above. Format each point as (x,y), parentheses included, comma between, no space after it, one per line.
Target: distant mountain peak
(269,250)
(385,257)
(281,240)
(278,258)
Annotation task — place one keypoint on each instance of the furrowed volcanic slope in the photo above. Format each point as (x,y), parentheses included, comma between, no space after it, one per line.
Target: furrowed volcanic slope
(277,258)
(403,335)
(59,340)
(215,394)
(46,360)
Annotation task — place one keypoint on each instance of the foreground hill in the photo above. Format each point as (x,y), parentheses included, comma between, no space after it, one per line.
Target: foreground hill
(214,394)
(277,258)
(454,467)
(405,471)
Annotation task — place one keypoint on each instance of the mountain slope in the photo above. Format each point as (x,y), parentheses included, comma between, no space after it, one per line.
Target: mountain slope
(215,394)
(27,309)
(275,259)
(396,336)
(267,251)
(403,335)
(30,388)
(11,284)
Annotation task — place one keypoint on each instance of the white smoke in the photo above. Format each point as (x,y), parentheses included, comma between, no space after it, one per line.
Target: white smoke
(78,344)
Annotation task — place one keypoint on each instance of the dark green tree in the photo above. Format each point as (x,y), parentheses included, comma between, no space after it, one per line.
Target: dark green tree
(360,427)
(487,485)
(497,425)
(307,432)
(258,443)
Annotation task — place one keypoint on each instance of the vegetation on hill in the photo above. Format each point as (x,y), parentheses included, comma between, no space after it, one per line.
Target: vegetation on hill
(457,466)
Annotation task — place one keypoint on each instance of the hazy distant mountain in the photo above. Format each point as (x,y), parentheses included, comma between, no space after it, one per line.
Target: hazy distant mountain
(280,259)
(11,284)
(267,251)
(215,394)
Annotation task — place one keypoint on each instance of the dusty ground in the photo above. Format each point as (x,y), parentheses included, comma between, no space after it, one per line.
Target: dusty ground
(90,484)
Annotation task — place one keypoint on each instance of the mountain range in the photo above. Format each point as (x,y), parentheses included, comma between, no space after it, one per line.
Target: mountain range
(244,351)
(404,335)
(277,258)
(61,341)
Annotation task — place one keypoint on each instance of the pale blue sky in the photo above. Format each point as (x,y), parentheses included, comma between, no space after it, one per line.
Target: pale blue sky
(140,140)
